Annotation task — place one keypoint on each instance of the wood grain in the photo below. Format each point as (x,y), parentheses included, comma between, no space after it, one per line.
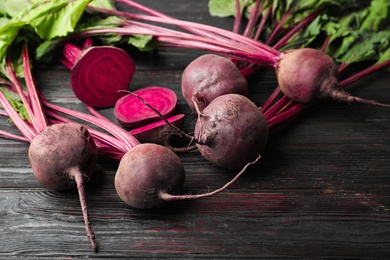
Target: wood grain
(321,190)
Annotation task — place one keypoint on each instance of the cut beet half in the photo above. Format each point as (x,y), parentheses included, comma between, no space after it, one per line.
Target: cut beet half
(158,131)
(99,75)
(131,110)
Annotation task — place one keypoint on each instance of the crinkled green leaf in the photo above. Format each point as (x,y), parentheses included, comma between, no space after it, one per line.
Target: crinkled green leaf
(8,33)
(356,37)
(338,4)
(280,8)
(13,7)
(142,42)
(53,18)
(384,56)
(16,103)
(107,4)
(367,47)
(225,8)
(378,15)
(44,48)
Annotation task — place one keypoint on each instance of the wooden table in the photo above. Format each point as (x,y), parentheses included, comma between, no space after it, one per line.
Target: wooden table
(322,188)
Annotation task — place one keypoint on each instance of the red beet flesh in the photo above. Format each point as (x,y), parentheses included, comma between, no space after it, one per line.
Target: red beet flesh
(99,73)
(131,112)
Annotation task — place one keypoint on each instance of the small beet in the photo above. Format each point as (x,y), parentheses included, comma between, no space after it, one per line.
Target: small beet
(210,76)
(131,111)
(231,131)
(147,171)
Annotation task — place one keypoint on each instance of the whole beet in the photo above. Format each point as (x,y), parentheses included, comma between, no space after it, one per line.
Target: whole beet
(60,152)
(307,74)
(146,173)
(63,156)
(210,76)
(231,131)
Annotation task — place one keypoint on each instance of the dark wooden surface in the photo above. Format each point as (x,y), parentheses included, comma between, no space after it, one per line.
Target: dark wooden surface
(321,190)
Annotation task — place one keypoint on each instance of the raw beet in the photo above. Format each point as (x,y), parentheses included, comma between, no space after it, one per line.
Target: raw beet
(63,156)
(60,151)
(149,175)
(131,111)
(145,173)
(99,74)
(231,131)
(306,75)
(210,76)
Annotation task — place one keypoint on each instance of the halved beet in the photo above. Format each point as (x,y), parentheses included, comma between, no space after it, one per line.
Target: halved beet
(100,73)
(158,131)
(132,112)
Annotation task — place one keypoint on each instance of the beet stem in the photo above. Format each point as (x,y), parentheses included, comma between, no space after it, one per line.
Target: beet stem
(284,40)
(237,20)
(254,15)
(78,177)
(270,100)
(278,27)
(262,23)
(170,197)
